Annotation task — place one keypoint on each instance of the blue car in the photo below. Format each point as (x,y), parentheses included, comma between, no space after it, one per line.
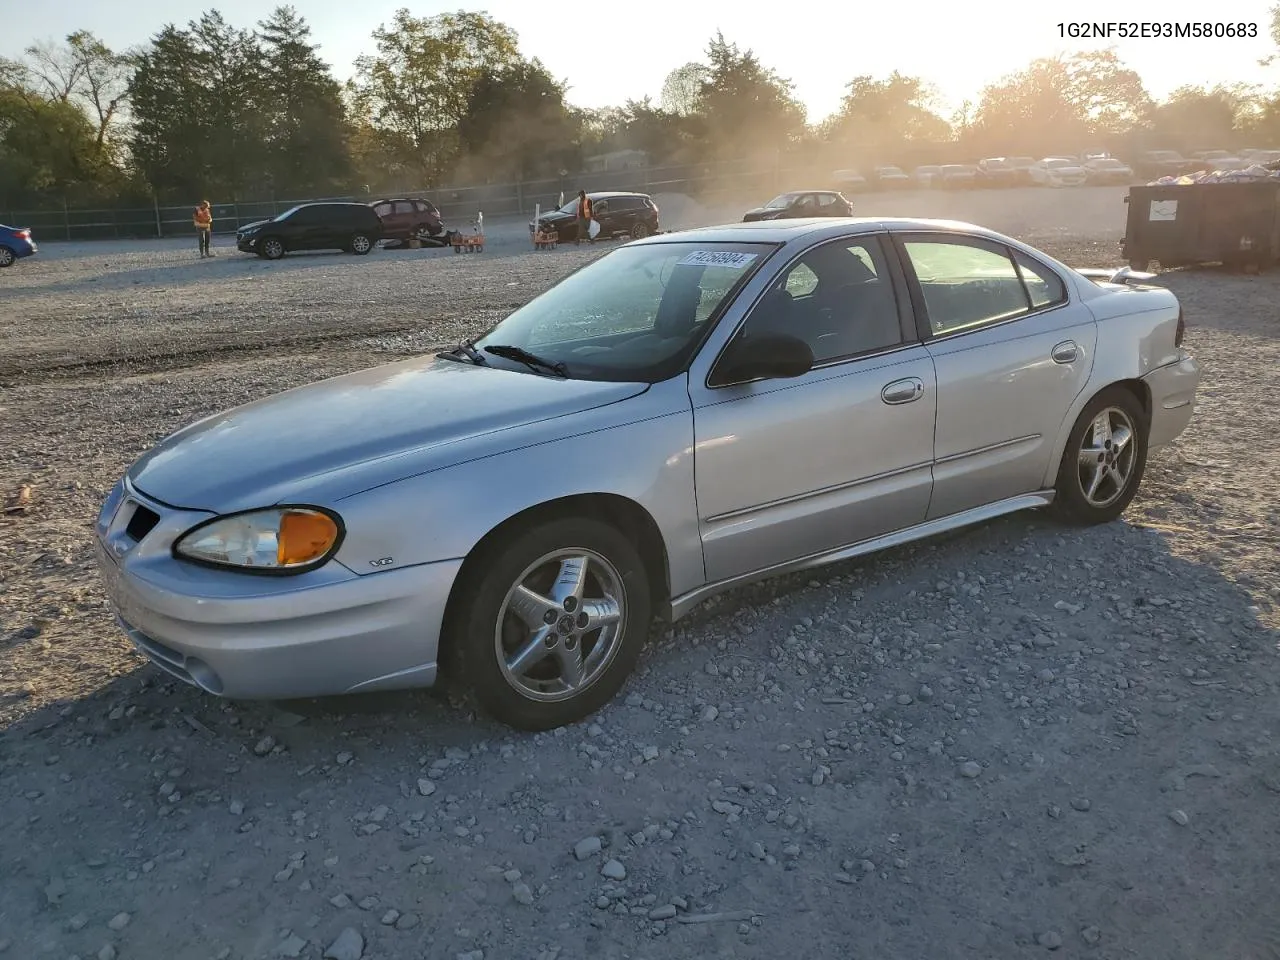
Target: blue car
(15,244)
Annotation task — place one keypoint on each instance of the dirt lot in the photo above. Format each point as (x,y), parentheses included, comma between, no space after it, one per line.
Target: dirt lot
(1017,740)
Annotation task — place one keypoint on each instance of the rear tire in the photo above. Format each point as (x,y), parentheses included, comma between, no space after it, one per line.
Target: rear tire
(542,590)
(1101,470)
(7,256)
(640,231)
(361,244)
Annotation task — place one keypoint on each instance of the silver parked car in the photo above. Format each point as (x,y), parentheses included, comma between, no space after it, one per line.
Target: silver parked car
(687,413)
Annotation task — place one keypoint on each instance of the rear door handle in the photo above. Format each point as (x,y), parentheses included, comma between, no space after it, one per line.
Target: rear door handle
(1065,352)
(903,391)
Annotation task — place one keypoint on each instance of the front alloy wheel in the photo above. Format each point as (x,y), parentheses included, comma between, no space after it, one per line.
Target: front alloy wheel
(272,248)
(547,622)
(561,624)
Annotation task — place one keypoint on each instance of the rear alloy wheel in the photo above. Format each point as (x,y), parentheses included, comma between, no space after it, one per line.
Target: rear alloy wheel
(7,257)
(640,231)
(552,623)
(272,248)
(1105,459)
(361,244)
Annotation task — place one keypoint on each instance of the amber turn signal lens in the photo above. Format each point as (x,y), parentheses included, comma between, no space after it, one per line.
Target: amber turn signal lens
(305,535)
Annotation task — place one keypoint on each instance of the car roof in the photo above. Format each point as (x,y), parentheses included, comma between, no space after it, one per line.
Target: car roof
(783,231)
(398,200)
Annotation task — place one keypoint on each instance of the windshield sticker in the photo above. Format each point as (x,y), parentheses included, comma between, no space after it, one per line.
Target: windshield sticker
(717,258)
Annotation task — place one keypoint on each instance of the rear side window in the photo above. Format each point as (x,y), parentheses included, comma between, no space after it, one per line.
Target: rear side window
(1044,287)
(382,209)
(404,206)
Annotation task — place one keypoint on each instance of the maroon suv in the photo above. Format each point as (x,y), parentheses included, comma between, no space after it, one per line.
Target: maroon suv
(403,218)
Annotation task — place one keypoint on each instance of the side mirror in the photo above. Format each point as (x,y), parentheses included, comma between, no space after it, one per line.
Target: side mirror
(768,356)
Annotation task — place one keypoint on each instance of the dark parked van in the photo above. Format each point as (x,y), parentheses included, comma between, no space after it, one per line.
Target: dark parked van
(353,227)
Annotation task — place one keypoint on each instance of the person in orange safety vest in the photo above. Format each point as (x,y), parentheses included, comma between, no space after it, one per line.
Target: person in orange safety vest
(584,217)
(202,218)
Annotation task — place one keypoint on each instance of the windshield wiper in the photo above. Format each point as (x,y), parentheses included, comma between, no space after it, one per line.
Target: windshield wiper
(465,349)
(530,360)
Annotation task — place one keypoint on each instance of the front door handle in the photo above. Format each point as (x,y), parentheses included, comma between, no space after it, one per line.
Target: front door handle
(1065,352)
(903,391)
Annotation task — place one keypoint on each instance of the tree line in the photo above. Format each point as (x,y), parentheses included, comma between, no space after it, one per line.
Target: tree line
(219,110)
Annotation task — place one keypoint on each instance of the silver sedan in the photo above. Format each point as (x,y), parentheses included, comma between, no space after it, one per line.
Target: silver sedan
(685,414)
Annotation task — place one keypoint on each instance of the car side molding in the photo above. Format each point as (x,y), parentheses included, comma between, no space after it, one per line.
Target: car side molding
(684,603)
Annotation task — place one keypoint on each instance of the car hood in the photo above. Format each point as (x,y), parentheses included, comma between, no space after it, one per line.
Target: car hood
(763,213)
(251,226)
(356,431)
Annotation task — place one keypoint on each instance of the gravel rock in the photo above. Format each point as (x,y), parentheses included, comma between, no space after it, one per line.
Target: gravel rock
(349,945)
(970,769)
(613,870)
(119,922)
(587,847)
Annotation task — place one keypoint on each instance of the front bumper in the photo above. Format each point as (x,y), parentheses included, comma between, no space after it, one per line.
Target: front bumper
(1173,395)
(243,636)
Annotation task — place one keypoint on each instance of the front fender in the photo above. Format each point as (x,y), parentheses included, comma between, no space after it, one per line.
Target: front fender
(443,515)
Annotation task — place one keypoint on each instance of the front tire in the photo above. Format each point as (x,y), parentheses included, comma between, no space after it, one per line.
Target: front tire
(1104,460)
(550,622)
(272,248)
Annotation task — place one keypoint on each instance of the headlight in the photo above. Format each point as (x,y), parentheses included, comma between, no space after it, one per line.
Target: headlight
(277,540)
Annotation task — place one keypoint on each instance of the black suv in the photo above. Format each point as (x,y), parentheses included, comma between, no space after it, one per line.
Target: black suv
(353,227)
(629,214)
(802,203)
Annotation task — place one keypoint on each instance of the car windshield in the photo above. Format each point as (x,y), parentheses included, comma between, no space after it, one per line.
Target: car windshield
(996,164)
(1059,164)
(636,314)
(781,201)
(290,212)
(571,207)
(957,168)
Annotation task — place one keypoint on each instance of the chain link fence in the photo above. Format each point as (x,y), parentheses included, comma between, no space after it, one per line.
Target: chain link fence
(710,182)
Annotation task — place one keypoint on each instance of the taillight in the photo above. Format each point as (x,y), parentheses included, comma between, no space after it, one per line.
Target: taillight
(1181,331)
(24,234)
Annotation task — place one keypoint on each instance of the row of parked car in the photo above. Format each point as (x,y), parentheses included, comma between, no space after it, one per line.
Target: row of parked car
(1067,170)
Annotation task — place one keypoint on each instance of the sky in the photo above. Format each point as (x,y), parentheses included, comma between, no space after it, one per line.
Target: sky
(630,47)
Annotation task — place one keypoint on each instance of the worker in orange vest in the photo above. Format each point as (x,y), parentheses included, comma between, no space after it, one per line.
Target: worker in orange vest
(584,217)
(202,218)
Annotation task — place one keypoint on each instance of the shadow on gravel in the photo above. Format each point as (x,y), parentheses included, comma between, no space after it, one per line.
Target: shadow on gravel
(1077,670)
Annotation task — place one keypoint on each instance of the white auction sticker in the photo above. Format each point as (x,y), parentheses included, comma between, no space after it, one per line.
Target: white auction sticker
(717,258)
(1164,210)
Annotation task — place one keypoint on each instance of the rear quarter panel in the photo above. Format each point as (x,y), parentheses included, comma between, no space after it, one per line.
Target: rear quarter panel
(1136,331)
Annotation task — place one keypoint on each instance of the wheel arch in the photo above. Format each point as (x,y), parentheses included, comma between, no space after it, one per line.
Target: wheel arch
(624,514)
(1135,385)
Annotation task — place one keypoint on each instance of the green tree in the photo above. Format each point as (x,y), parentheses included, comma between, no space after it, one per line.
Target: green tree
(84,71)
(746,107)
(47,145)
(1194,118)
(200,120)
(682,90)
(878,117)
(416,90)
(303,114)
(517,125)
(1058,102)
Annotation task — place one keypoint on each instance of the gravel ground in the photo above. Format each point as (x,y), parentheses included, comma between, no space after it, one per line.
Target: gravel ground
(1016,740)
